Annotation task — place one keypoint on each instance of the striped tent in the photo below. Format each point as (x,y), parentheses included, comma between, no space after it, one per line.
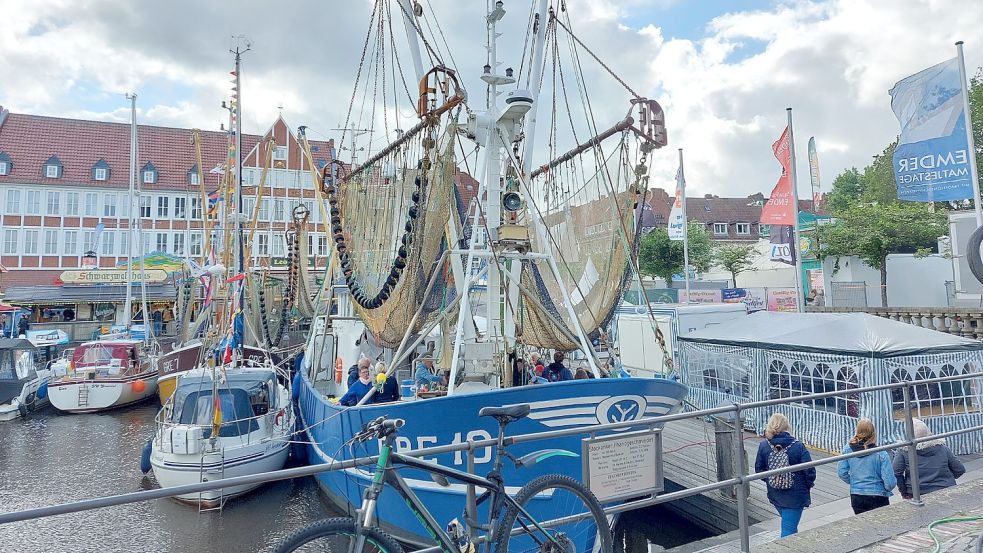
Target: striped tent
(770,355)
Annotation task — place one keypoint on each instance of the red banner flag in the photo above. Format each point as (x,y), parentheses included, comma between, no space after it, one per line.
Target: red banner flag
(781,208)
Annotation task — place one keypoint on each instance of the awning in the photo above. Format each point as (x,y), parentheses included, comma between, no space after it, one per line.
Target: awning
(101,293)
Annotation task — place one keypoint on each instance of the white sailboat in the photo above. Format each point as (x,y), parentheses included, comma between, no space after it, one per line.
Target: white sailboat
(232,414)
(115,370)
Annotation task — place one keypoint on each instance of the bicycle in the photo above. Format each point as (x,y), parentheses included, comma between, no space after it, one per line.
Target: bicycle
(512,523)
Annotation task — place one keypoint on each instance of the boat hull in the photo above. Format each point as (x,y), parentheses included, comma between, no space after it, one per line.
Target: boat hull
(454,419)
(100,394)
(176,470)
(28,397)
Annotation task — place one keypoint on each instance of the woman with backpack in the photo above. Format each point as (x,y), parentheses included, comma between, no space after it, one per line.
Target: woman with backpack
(871,477)
(788,492)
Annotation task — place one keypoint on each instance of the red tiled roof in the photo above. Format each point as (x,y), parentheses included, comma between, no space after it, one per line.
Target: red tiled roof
(713,209)
(30,140)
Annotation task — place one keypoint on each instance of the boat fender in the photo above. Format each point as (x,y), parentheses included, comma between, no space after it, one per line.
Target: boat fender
(338,370)
(22,408)
(43,390)
(145,456)
(295,390)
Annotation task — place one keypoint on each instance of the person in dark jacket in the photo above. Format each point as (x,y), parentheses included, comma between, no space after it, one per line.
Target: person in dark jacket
(938,468)
(556,371)
(390,389)
(871,477)
(359,388)
(356,368)
(788,502)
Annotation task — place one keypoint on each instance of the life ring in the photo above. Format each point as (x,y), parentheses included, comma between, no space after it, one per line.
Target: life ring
(973,254)
(279,416)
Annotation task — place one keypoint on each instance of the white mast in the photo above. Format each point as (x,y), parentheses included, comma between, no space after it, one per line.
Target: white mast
(682,191)
(535,85)
(411,37)
(799,299)
(133,213)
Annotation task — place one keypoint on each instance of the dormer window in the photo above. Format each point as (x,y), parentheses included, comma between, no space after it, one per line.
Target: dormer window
(5,164)
(100,171)
(280,153)
(53,168)
(148,174)
(193,178)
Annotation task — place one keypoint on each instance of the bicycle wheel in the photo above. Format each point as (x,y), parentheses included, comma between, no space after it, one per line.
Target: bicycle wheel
(336,534)
(548,499)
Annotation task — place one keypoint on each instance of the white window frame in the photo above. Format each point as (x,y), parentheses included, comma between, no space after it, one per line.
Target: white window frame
(72,203)
(280,153)
(279,246)
(107,246)
(100,173)
(263,245)
(30,242)
(149,177)
(146,207)
(50,242)
(13,201)
(159,243)
(51,171)
(278,212)
(91,204)
(11,241)
(71,242)
(52,204)
(4,168)
(33,206)
(745,226)
(193,178)
(178,247)
(109,205)
(124,243)
(163,207)
(322,245)
(717,229)
(196,243)
(195,208)
(88,241)
(180,207)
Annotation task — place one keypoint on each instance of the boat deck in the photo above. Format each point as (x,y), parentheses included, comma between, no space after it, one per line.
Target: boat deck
(690,460)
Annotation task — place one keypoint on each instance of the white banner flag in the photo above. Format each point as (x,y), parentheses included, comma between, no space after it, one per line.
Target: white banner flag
(677,219)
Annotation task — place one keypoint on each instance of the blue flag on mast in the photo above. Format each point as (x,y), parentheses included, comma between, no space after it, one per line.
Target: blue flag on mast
(931,162)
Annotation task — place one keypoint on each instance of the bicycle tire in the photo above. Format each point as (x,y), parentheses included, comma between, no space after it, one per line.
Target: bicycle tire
(340,526)
(973,254)
(538,486)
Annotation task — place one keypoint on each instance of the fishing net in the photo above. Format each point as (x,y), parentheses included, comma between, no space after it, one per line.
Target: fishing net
(388,217)
(587,219)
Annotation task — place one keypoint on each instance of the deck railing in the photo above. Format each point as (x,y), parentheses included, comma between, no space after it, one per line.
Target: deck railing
(741,481)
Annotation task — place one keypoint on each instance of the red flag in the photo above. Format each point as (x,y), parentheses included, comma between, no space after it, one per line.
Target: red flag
(781,208)
(227,358)
(236,278)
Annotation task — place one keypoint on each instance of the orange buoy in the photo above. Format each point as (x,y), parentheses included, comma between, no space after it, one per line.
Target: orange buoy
(139,386)
(338,370)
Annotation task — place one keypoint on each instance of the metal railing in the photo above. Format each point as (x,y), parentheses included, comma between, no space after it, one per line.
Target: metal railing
(742,481)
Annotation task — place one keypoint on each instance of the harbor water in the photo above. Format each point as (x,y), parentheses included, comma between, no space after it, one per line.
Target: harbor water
(50,458)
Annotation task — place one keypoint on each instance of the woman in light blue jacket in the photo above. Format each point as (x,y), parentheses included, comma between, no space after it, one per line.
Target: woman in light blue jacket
(871,477)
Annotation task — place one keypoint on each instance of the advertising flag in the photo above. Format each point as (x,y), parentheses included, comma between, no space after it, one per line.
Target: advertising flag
(783,244)
(931,162)
(814,171)
(781,208)
(677,219)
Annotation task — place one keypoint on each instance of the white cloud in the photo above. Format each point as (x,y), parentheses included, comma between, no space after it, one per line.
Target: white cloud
(832,61)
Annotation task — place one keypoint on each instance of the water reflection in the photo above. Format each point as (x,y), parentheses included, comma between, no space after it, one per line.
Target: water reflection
(51,458)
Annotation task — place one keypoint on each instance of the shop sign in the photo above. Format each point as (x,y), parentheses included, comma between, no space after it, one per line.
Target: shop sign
(112,276)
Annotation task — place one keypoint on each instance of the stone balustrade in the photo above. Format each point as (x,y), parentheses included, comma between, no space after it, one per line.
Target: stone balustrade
(960,321)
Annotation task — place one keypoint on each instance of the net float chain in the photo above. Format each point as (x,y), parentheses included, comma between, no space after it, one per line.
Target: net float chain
(399,264)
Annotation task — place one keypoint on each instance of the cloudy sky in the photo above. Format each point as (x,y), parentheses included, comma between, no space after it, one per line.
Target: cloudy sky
(724,70)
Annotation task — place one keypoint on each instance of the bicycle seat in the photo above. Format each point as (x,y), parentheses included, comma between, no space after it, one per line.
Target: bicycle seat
(506,413)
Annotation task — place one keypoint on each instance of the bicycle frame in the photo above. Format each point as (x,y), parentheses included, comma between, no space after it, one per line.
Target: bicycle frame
(385,473)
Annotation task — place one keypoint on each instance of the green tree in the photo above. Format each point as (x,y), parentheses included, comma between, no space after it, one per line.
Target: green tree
(872,231)
(877,184)
(736,258)
(846,191)
(660,257)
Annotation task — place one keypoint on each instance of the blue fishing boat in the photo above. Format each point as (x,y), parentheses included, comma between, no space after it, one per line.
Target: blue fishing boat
(456,259)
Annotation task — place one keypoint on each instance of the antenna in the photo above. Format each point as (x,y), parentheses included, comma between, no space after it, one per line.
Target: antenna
(355,133)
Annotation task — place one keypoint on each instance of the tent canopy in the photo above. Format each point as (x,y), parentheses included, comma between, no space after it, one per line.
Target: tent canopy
(856,334)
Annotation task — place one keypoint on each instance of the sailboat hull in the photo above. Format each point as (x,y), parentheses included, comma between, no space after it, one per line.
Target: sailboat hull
(454,419)
(90,396)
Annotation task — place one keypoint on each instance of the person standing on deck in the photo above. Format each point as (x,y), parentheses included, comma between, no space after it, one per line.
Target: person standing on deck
(938,468)
(871,477)
(359,388)
(424,374)
(556,371)
(787,492)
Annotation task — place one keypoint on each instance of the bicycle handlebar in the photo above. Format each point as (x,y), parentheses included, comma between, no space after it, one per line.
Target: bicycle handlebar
(380,427)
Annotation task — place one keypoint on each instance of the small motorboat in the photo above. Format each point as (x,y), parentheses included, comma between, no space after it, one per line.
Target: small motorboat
(105,374)
(23,378)
(220,423)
